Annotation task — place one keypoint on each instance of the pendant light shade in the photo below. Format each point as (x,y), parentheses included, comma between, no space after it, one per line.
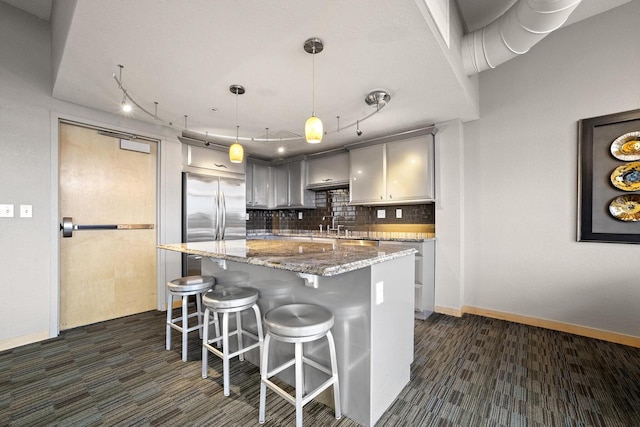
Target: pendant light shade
(313,130)
(236,153)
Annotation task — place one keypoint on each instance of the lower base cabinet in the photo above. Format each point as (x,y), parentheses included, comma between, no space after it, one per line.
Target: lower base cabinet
(425,276)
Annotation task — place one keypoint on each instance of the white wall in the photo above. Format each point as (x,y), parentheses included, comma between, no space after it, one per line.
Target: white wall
(520,168)
(449,217)
(28,156)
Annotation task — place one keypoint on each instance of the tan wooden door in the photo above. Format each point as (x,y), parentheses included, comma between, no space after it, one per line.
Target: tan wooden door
(105,274)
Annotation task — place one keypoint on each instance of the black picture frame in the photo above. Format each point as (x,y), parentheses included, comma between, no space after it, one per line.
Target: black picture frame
(595,191)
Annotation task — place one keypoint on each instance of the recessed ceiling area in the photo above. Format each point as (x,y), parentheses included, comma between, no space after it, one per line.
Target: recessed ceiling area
(185,55)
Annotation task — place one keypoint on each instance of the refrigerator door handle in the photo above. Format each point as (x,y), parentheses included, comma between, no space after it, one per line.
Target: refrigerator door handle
(216,214)
(223,209)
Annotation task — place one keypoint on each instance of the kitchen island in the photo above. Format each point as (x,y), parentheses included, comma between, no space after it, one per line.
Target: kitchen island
(370,291)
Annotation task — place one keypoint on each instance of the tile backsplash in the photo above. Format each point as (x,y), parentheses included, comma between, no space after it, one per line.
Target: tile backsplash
(335,203)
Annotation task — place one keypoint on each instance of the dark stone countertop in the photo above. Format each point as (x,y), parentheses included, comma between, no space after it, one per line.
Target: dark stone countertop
(321,259)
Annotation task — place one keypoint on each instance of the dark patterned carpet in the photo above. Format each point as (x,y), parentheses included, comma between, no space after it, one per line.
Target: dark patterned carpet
(471,371)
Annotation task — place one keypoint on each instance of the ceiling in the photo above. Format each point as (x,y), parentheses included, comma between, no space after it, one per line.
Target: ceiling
(185,55)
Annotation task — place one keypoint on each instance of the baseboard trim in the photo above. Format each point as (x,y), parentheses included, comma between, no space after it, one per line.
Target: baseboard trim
(448,311)
(23,340)
(554,325)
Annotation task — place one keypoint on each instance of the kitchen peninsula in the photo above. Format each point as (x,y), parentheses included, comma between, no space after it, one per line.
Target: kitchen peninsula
(369,289)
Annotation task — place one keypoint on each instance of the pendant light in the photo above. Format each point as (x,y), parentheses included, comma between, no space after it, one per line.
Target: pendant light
(236,152)
(313,127)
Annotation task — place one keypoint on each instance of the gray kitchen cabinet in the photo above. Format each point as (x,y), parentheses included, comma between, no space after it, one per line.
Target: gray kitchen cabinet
(281,186)
(328,172)
(425,279)
(259,187)
(367,183)
(394,172)
(195,157)
(290,186)
(249,184)
(410,169)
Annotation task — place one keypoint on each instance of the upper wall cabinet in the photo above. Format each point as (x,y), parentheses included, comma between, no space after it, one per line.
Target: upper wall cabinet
(394,172)
(259,185)
(290,186)
(329,172)
(209,158)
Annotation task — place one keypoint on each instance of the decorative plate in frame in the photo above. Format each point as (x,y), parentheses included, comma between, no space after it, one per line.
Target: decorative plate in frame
(627,147)
(627,177)
(626,208)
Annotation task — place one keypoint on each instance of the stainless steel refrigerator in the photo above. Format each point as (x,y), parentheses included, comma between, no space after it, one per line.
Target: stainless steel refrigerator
(213,208)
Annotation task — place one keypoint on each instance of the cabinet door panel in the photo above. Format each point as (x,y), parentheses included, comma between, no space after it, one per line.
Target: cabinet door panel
(297,175)
(249,181)
(328,171)
(282,186)
(261,186)
(367,183)
(409,169)
(208,158)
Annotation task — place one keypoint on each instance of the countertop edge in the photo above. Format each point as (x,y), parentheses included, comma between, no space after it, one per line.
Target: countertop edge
(281,264)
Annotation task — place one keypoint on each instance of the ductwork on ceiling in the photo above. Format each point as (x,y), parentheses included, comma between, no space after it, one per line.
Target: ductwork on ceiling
(514,33)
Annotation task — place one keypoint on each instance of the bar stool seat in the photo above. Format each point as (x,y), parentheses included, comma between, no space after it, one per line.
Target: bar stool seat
(273,293)
(232,278)
(297,324)
(225,300)
(184,287)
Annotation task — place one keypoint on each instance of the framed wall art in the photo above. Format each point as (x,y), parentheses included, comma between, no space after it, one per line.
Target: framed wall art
(609,178)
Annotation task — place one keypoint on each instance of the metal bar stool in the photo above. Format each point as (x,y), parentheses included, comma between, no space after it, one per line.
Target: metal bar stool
(273,293)
(185,287)
(297,324)
(227,300)
(232,278)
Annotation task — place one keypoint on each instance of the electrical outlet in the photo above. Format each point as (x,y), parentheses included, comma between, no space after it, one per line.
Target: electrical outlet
(379,293)
(382,213)
(398,213)
(6,211)
(26,211)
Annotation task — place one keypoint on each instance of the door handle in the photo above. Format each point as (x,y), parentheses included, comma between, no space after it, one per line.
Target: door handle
(223,228)
(68,226)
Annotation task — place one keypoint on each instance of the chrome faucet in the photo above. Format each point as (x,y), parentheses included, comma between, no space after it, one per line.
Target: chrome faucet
(333,226)
(333,221)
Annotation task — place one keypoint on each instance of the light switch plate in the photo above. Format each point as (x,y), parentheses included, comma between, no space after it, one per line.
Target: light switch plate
(382,213)
(6,211)
(26,211)
(299,215)
(398,213)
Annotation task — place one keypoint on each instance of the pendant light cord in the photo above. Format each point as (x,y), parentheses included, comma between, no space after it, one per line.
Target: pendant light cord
(313,80)
(237,127)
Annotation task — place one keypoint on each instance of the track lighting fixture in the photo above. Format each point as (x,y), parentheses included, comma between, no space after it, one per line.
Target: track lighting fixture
(126,107)
(313,128)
